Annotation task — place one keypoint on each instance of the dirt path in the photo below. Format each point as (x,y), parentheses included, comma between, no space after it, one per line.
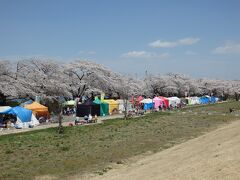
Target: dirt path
(215,155)
(67,120)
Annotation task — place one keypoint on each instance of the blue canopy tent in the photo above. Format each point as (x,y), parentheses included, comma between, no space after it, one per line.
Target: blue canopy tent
(147,103)
(24,116)
(148,106)
(204,100)
(213,99)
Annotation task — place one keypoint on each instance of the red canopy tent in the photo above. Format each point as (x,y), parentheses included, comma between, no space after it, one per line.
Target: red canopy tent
(136,101)
(165,101)
(139,98)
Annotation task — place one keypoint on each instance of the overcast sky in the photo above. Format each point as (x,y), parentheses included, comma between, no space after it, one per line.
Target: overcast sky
(200,38)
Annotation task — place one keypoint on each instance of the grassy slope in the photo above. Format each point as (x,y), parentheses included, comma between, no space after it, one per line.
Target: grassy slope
(91,148)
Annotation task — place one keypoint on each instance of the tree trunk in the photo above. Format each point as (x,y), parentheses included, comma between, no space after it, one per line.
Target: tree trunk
(2,100)
(60,127)
(125,109)
(225,97)
(237,96)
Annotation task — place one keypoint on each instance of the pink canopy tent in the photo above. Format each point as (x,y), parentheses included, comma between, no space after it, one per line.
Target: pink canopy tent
(157,102)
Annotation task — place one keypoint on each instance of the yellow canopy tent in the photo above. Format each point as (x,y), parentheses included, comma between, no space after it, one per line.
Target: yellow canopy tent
(113,105)
(38,109)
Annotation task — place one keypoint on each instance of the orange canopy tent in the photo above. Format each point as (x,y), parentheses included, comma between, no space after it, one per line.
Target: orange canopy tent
(38,109)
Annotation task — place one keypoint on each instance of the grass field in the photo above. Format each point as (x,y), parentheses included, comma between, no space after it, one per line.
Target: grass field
(84,149)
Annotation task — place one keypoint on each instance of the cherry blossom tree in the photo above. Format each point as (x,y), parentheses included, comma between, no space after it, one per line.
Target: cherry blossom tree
(85,77)
(45,78)
(12,85)
(32,77)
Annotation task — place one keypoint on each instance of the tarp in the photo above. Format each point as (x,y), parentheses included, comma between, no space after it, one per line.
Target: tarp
(37,109)
(113,105)
(88,107)
(104,107)
(15,102)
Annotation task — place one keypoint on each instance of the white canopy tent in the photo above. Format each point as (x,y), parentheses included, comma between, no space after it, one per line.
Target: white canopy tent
(174,101)
(4,108)
(121,105)
(146,101)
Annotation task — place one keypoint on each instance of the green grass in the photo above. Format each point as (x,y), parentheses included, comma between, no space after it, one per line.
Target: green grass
(84,149)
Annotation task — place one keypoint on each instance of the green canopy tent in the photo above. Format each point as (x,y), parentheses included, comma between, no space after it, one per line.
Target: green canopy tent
(69,103)
(104,107)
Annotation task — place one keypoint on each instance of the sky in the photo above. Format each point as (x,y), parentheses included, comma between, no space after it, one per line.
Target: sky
(197,38)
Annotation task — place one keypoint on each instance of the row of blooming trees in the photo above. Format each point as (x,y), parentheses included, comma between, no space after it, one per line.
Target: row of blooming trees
(182,85)
(51,80)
